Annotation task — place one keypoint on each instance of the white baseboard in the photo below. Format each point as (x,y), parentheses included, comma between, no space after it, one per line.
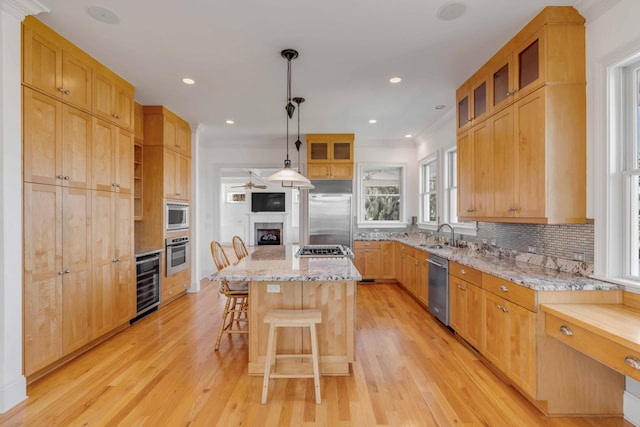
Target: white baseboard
(12,394)
(632,408)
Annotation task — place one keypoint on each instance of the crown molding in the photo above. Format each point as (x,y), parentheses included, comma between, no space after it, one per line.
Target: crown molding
(592,9)
(22,8)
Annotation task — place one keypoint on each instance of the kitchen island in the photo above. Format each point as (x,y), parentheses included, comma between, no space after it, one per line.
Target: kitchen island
(280,280)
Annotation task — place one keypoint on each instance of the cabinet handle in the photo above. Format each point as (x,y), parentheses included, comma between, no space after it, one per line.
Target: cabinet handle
(500,307)
(118,185)
(178,194)
(177,146)
(67,271)
(462,288)
(511,92)
(567,331)
(470,210)
(60,273)
(634,362)
(114,184)
(505,309)
(115,116)
(504,288)
(114,260)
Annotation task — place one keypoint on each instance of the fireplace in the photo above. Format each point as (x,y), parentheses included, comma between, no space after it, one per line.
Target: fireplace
(268,233)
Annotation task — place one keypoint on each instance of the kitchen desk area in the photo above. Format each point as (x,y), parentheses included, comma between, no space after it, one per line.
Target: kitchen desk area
(278,279)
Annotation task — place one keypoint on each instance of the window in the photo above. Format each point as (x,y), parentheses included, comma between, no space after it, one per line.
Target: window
(631,171)
(381,201)
(451,186)
(429,191)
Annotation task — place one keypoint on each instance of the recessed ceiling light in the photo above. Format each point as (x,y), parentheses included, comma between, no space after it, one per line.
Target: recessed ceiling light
(103,14)
(188,81)
(408,135)
(395,79)
(372,121)
(439,107)
(229,122)
(451,11)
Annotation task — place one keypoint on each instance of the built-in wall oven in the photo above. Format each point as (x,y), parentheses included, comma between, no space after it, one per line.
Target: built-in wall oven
(176,216)
(177,254)
(147,283)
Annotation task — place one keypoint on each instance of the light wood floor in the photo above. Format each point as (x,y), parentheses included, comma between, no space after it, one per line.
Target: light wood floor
(163,371)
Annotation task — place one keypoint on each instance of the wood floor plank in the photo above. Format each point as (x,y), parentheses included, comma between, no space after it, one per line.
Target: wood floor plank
(164,371)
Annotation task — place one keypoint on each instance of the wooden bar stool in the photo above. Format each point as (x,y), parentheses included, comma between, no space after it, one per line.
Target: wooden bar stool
(288,319)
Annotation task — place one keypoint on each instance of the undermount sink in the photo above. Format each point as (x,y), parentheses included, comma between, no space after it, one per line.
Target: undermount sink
(431,246)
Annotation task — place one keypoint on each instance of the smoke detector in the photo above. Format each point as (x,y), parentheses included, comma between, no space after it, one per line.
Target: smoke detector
(103,14)
(451,11)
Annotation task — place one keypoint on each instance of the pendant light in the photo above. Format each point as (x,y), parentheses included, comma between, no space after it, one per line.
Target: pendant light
(288,176)
(298,100)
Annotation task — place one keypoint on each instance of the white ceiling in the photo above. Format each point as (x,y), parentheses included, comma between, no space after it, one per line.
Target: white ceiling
(348,51)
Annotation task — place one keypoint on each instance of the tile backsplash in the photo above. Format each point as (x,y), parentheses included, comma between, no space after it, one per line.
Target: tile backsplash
(561,241)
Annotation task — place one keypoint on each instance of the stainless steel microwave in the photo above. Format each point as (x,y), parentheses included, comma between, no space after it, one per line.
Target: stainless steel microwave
(176,216)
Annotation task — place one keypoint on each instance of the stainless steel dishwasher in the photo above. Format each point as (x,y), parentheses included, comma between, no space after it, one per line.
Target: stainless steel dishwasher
(439,288)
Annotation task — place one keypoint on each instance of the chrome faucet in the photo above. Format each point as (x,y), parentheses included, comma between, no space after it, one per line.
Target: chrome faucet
(452,240)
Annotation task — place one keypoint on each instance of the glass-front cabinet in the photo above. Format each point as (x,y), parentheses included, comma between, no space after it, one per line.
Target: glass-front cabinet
(330,156)
(472,100)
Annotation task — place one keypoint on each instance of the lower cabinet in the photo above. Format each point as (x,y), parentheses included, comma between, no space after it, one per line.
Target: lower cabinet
(175,285)
(466,311)
(375,260)
(57,273)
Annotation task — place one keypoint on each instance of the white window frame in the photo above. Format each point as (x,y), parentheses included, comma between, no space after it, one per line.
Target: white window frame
(449,213)
(616,125)
(424,191)
(362,223)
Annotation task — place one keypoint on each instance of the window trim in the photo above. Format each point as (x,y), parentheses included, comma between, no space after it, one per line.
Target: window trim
(433,158)
(361,222)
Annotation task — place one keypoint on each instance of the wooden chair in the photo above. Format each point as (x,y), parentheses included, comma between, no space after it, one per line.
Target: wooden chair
(239,248)
(237,293)
(308,318)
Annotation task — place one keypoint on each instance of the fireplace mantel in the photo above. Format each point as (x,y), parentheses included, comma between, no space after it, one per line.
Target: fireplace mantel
(280,217)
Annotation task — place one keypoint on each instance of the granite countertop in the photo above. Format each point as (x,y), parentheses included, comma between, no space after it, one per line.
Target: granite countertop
(529,275)
(279,263)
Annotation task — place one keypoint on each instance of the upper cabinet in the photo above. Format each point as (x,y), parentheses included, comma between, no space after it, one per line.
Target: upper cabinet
(532,95)
(330,156)
(53,65)
(163,127)
(113,98)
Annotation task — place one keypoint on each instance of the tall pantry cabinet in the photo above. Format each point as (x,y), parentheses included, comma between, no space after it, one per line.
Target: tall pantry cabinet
(78,204)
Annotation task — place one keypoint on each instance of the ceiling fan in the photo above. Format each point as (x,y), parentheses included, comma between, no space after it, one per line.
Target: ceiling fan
(250,184)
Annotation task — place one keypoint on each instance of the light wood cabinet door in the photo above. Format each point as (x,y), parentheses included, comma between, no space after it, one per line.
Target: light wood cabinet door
(113,261)
(495,325)
(76,80)
(113,98)
(475,317)
(530,164)
(465,175)
(482,170)
(423,283)
(521,354)
(411,271)
(42,137)
(124,161)
(43,273)
(330,156)
(372,263)
(176,175)
(458,305)
(399,262)
(183,137)
(504,186)
(76,264)
(57,142)
(530,63)
(503,86)
(387,260)
(112,157)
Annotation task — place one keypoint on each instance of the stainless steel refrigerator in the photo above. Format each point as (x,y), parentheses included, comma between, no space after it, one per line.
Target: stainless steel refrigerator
(329,213)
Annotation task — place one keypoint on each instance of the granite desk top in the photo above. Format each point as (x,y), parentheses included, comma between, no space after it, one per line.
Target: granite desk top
(279,263)
(532,276)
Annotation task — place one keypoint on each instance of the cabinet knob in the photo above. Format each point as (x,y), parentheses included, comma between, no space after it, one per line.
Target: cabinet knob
(67,271)
(634,362)
(67,178)
(462,288)
(60,273)
(463,271)
(511,92)
(504,288)
(505,309)
(60,177)
(500,307)
(118,185)
(114,184)
(567,331)
(115,116)
(177,146)
(114,260)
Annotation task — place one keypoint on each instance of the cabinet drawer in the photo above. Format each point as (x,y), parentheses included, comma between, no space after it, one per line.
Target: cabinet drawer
(463,272)
(366,245)
(510,291)
(612,354)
